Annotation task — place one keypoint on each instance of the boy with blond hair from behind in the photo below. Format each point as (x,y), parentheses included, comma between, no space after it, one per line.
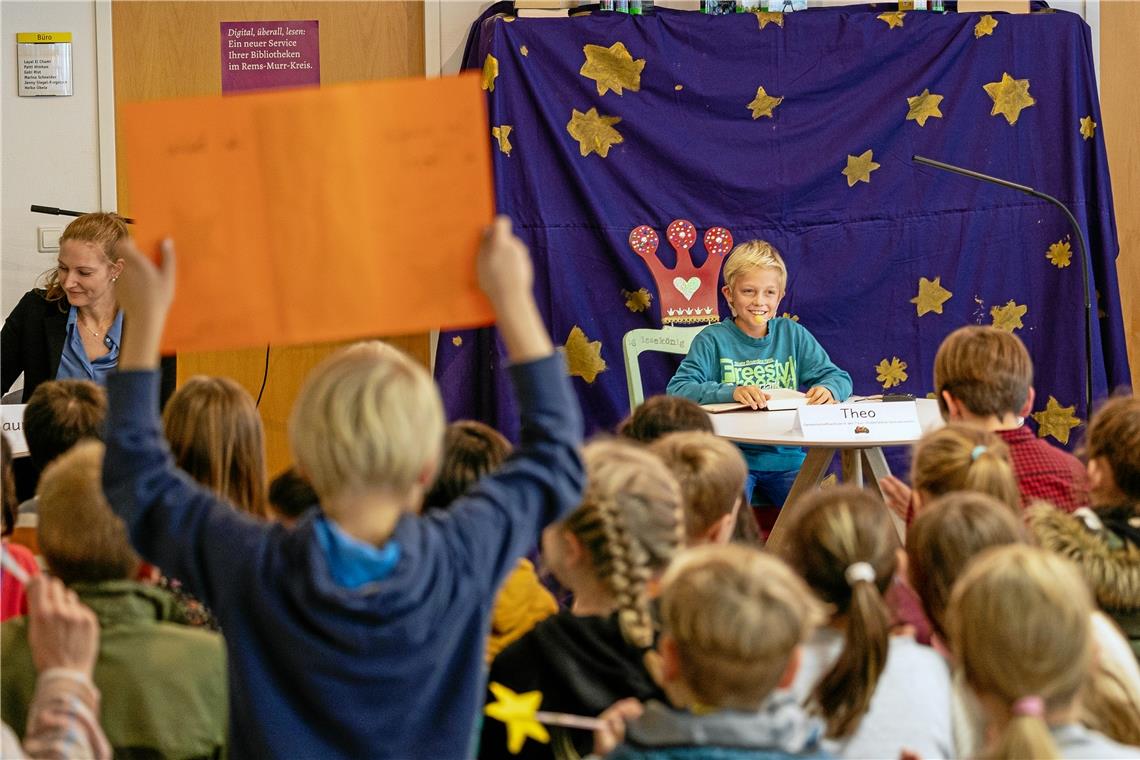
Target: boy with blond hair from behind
(360,632)
(733,620)
(753,352)
(711,473)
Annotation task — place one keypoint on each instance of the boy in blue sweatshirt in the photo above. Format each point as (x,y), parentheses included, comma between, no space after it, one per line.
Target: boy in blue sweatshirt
(360,632)
(755,351)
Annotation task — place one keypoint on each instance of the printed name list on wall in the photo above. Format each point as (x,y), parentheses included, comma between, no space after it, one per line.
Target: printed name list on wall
(261,55)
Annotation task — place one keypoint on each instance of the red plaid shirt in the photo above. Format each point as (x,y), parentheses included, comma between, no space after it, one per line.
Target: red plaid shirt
(1046,472)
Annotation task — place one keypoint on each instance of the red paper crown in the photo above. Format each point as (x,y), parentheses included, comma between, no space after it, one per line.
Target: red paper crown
(688,294)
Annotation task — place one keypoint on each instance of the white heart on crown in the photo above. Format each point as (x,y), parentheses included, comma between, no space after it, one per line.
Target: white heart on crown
(687,287)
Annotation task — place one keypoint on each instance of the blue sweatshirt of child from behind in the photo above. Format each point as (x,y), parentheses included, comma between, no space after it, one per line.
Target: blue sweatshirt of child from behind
(723,357)
(392,668)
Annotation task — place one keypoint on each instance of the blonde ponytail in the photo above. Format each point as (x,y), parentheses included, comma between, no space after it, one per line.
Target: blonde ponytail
(964,458)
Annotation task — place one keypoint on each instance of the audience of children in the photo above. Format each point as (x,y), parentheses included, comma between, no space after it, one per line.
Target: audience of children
(357,626)
(854,673)
(215,436)
(608,552)
(754,351)
(163,683)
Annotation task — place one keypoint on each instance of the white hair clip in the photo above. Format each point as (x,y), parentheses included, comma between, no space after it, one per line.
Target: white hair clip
(859,571)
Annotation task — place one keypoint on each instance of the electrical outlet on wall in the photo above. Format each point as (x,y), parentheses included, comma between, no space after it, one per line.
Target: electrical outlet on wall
(48,239)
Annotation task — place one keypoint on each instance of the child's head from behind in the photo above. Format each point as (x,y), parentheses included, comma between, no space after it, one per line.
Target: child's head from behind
(215,435)
(660,415)
(731,620)
(1114,450)
(290,496)
(470,451)
(844,545)
(81,539)
(61,413)
(368,420)
(985,371)
(624,533)
(945,536)
(961,457)
(711,472)
(755,279)
(1019,626)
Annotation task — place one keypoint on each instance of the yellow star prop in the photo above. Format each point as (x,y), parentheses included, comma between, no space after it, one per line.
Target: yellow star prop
(931,296)
(893,19)
(1008,317)
(1010,96)
(924,106)
(524,50)
(789,315)
(765,18)
(859,168)
(457,341)
(612,68)
(583,356)
(1056,420)
(1060,254)
(1088,127)
(985,26)
(891,373)
(637,300)
(517,712)
(594,133)
(502,134)
(490,72)
(764,104)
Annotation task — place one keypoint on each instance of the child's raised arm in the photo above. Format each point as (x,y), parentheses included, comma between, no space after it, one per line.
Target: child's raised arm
(507,277)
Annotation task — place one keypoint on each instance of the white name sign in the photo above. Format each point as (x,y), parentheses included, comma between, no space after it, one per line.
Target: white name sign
(873,423)
(14,428)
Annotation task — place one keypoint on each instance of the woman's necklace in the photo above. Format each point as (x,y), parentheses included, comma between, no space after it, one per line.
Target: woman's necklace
(93,332)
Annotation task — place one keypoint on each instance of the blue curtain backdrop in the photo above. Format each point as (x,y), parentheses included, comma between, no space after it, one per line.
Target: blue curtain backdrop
(692,147)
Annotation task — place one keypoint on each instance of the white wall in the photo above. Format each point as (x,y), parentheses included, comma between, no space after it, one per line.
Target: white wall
(50,144)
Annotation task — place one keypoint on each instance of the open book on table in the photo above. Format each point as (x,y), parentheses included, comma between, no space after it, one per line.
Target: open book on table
(780,399)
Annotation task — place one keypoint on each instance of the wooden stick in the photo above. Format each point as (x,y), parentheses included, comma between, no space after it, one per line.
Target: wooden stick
(568,721)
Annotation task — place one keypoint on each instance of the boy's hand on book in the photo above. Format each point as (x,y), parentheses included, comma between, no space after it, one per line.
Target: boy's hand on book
(144,293)
(612,733)
(750,395)
(819,395)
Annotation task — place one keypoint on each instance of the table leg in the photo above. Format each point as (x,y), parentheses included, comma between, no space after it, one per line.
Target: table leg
(877,464)
(815,465)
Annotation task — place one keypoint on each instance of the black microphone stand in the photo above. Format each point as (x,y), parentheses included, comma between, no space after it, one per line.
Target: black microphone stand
(1080,243)
(68,212)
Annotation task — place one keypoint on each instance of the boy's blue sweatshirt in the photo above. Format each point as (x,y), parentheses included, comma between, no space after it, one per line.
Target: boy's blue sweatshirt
(393,668)
(723,357)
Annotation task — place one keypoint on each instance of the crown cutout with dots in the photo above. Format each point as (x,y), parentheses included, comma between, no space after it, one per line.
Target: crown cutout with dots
(687,293)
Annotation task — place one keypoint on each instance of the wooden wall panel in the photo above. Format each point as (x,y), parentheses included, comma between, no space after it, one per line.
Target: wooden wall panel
(1120,109)
(171,49)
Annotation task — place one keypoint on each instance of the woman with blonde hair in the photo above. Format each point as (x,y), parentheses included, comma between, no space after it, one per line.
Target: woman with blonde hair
(1018,622)
(215,435)
(607,552)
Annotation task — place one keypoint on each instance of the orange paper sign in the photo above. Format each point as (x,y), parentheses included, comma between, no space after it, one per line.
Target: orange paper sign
(317,214)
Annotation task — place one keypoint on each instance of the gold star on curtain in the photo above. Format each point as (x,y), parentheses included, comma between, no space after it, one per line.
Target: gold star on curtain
(1008,317)
(457,341)
(763,104)
(502,134)
(594,133)
(859,168)
(1010,96)
(893,19)
(1088,127)
(524,50)
(637,300)
(583,356)
(612,68)
(490,72)
(924,106)
(517,712)
(891,373)
(1056,420)
(931,296)
(789,315)
(985,26)
(765,18)
(1060,254)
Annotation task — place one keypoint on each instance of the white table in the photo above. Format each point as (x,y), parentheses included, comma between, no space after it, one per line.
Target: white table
(777,429)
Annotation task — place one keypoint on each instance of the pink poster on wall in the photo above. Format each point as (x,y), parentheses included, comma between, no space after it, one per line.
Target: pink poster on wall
(261,55)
